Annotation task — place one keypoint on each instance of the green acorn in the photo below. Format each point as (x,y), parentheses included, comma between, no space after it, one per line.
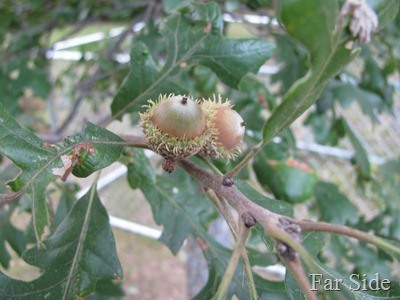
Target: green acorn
(174,127)
(226,129)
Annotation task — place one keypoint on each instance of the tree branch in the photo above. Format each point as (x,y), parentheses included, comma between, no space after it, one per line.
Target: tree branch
(234,197)
(283,229)
(270,221)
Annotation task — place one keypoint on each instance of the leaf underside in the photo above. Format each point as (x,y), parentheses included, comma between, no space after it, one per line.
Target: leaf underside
(80,252)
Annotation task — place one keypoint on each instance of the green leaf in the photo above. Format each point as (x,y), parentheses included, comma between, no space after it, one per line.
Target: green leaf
(361,156)
(276,206)
(107,290)
(232,59)
(268,241)
(140,170)
(298,184)
(375,81)
(347,288)
(178,211)
(312,23)
(251,100)
(78,254)
(218,257)
(193,37)
(10,91)
(170,5)
(370,102)
(107,149)
(205,80)
(9,234)
(293,57)
(34,78)
(143,82)
(65,203)
(287,182)
(39,163)
(326,129)
(333,205)
(385,9)
(26,150)
(184,211)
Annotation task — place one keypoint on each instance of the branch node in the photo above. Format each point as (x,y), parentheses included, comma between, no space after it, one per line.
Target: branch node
(291,228)
(248,219)
(286,252)
(228,181)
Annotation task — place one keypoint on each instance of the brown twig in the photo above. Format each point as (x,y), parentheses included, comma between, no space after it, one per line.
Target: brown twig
(225,210)
(234,197)
(270,221)
(295,267)
(350,232)
(332,228)
(281,228)
(243,234)
(137,141)
(8,198)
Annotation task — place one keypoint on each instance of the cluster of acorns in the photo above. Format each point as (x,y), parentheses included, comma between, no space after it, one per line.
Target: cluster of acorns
(177,127)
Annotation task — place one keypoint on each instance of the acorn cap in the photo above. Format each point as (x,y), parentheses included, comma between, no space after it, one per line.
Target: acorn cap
(174,126)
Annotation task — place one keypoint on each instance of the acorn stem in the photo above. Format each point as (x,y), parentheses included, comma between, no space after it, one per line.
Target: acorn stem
(184,100)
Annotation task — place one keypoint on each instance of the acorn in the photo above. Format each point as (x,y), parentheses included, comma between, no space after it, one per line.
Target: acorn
(226,128)
(174,127)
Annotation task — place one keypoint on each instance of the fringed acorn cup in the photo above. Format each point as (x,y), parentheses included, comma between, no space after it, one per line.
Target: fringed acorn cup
(174,127)
(226,128)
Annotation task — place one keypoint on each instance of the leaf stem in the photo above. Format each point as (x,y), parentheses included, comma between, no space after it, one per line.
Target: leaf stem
(223,207)
(230,270)
(245,160)
(209,164)
(136,141)
(249,274)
